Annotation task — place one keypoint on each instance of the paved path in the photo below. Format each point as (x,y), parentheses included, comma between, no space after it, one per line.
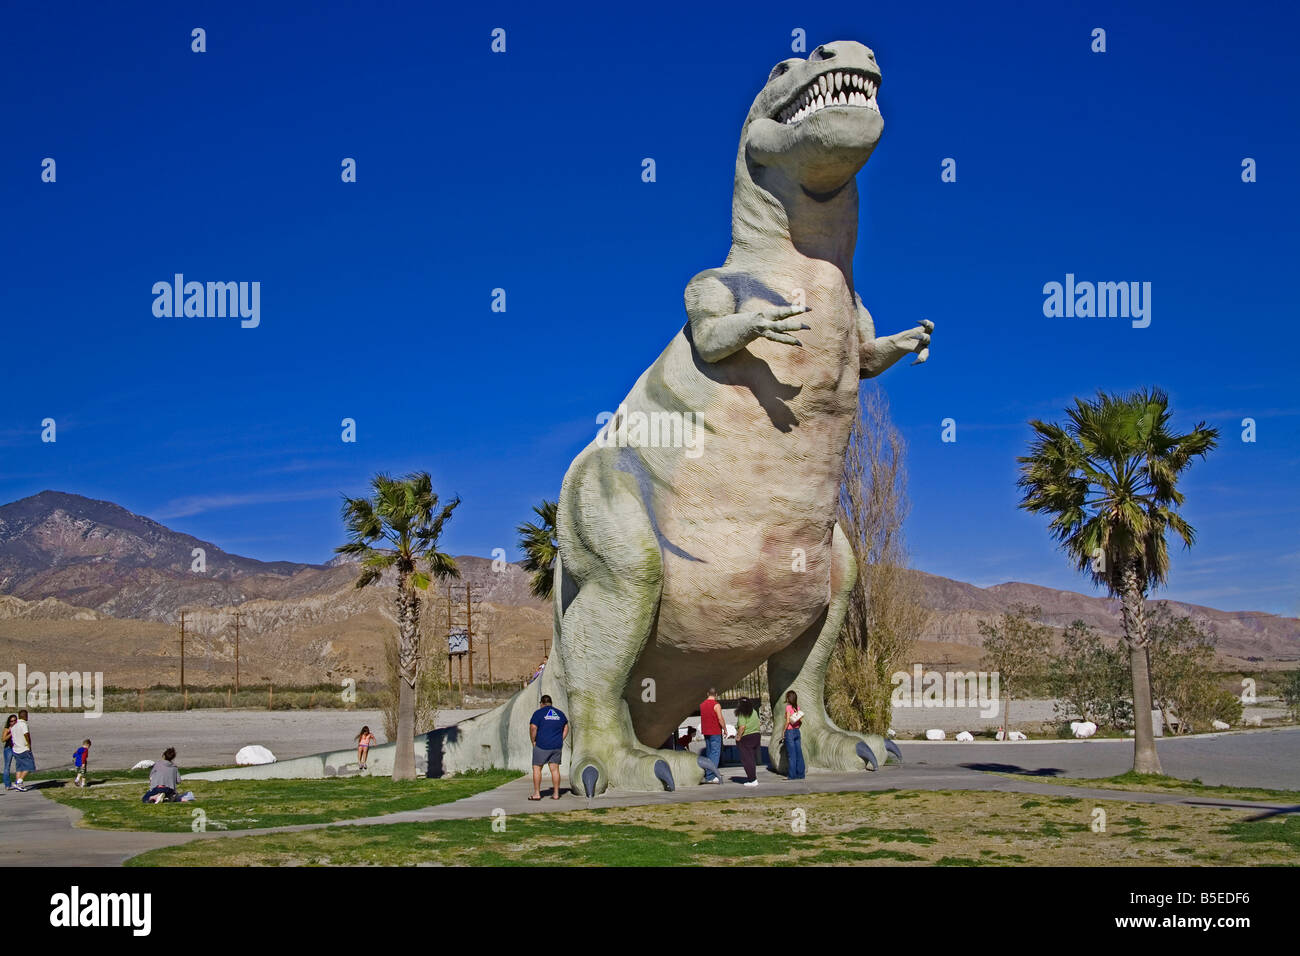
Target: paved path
(1254,758)
(36,831)
(39,831)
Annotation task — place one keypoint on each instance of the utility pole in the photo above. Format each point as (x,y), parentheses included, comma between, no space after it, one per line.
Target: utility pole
(489,647)
(182,654)
(236,652)
(449,635)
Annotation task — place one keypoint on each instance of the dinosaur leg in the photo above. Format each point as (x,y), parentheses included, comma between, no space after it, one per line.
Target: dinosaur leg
(618,573)
(801,667)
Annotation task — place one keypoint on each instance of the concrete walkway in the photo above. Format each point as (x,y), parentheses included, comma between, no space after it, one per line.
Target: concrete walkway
(36,831)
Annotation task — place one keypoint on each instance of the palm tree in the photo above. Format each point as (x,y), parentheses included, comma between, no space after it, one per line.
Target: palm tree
(1109,477)
(539,545)
(403,513)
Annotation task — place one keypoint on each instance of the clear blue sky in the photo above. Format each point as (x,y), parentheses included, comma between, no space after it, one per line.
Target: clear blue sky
(522,171)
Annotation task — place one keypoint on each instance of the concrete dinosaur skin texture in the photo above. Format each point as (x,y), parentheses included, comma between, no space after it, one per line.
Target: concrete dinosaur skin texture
(680,571)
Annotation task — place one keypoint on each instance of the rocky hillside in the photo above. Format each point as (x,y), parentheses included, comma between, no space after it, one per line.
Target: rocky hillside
(84,580)
(957,609)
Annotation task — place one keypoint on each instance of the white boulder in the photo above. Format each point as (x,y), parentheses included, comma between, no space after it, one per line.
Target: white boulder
(965,736)
(891,735)
(1255,721)
(1221,725)
(935,734)
(143,765)
(1082,728)
(1014,735)
(254,754)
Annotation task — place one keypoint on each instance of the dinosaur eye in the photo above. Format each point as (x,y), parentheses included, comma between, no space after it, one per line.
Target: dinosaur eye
(777,71)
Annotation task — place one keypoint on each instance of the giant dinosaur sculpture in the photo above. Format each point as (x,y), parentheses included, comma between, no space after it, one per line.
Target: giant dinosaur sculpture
(677,571)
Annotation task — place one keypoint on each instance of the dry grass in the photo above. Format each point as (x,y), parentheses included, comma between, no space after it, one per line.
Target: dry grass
(890,828)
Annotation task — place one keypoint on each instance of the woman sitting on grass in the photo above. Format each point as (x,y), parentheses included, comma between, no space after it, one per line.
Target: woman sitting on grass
(164,779)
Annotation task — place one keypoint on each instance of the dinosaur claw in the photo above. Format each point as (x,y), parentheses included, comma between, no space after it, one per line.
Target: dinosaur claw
(707,765)
(865,753)
(590,776)
(892,748)
(665,775)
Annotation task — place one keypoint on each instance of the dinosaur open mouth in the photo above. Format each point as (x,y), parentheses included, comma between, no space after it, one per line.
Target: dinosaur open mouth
(834,88)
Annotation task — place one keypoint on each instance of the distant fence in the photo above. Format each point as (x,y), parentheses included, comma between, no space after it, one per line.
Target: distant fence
(753,686)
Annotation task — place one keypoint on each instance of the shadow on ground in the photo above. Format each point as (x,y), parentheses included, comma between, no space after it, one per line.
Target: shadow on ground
(1012,768)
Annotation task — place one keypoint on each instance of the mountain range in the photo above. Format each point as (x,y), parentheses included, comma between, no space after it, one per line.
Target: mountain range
(84,580)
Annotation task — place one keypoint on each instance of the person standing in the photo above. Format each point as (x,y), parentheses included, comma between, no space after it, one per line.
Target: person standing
(81,763)
(712,727)
(749,737)
(793,742)
(24,759)
(6,736)
(365,740)
(548,727)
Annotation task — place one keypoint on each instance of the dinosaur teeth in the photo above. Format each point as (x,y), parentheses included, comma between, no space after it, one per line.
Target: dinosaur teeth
(839,88)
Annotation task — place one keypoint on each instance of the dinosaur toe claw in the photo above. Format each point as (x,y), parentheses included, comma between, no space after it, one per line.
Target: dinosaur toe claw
(707,765)
(865,753)
(665,775)
(590,776)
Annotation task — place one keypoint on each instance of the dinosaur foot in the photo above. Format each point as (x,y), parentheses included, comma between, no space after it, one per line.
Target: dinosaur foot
(644,770)
(841,751)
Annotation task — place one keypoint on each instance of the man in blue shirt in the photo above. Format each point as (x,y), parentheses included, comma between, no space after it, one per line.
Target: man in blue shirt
(548,728)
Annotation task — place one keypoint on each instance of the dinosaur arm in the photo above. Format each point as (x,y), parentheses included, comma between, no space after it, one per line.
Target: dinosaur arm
(718,330)
(879,353)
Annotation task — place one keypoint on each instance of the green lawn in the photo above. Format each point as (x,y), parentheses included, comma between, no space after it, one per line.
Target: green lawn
(963,828)
(253,804)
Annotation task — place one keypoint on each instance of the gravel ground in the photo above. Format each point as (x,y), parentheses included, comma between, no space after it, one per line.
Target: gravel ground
(202,738)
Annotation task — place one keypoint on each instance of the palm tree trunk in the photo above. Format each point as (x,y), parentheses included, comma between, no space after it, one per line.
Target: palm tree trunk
(1145,757)
(404,758)
(408,623)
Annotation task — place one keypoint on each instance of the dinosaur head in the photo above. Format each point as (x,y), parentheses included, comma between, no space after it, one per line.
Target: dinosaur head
(815,122)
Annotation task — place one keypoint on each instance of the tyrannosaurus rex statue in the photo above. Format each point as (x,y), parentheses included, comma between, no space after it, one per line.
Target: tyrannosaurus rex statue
(676,571)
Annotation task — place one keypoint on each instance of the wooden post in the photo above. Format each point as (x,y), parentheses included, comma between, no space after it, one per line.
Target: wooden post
(229,701)
(183,655)
(469,632)
(489,647)
(139,699)
(270,696)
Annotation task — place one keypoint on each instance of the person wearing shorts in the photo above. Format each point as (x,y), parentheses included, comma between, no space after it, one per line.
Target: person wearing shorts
(548,728)
(24,760)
